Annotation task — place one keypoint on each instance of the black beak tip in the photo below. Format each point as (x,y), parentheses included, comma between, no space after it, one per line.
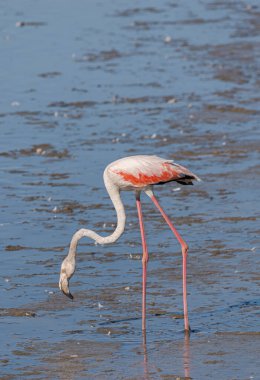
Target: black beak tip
(69,295)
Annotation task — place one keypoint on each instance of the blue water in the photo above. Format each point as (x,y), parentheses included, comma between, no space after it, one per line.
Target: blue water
(84,83)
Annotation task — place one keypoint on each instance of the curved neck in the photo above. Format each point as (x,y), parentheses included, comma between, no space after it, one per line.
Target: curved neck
(114,194)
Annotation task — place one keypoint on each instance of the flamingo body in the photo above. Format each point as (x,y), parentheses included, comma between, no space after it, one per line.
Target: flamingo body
(136,173)
(140,172)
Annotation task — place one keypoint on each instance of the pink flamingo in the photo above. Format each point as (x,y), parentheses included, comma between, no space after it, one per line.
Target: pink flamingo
(137,173)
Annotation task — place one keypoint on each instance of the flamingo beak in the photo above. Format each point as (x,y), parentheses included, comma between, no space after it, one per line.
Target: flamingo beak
(64,286)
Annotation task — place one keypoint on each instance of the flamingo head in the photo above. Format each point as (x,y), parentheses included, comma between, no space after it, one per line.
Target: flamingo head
(66,272)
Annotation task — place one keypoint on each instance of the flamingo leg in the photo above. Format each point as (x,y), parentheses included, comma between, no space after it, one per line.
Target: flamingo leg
(184,248)
(144,259)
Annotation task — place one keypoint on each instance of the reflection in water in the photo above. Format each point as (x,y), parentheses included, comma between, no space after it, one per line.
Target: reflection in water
(186,357)
(146,373)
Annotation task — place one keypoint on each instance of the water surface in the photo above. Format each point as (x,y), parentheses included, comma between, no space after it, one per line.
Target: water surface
(85,83)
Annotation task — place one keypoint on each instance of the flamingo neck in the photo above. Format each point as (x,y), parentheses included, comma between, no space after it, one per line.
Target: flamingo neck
(114,194)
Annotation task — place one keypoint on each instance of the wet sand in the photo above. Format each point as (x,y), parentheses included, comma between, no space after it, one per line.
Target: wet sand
(85,84)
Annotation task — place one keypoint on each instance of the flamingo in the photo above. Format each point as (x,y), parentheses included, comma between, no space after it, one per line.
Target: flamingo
(137,173)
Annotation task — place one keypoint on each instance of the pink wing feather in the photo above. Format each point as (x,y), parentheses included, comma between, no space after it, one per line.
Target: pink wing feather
(141,171)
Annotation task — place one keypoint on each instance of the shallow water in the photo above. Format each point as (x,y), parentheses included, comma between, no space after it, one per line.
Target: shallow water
(82,85)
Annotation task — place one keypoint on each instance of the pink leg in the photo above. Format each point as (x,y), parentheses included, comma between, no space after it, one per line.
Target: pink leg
(184,248)
(144,259)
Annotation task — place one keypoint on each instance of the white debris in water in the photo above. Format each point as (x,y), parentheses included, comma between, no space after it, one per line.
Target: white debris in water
(49,199)
(15,104)
(56,114)
(134,257)
(7,279)
(114,99)
(224,143)
(40,151)
(109,332)
(100,306)
(172,101)
(154,135)
(55,209)
(74,356)
(48,291)
(253,249)
(127,288)
(176,189)
(167,39)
